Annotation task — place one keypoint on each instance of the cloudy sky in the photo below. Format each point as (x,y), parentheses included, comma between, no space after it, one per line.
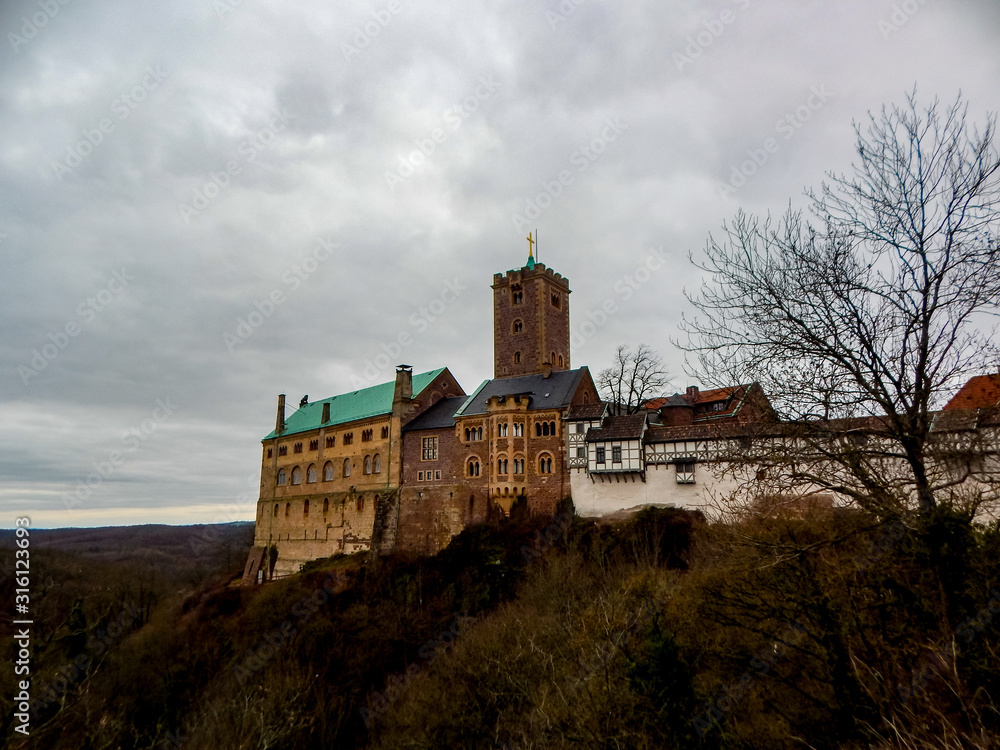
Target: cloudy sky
(205,204)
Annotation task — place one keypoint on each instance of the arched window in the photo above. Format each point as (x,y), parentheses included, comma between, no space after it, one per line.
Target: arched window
(288,509)
(552,428)
(328,471)
(518,465)
(479,433)
(368,464)
(296,475)
(518,325)
(552,358)
(377,464)
(311,474)
(502,430)
(560,360)
(545,464)
(275,510)
(538,429)
(282,477)
(467,438)
(360,503)
(518,429)
(473,467)
(326,505)
(305,508)
(501,466)
(517,358)
(347,467)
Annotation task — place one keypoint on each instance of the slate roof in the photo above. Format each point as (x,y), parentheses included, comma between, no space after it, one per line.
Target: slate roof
(624,427)
(553,392)
(981,392)
(439,416)
(350,407)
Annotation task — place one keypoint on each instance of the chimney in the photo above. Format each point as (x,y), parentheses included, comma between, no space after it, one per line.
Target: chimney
(326,412)
(546,369)
(692,394)
(404,385)
(279,424)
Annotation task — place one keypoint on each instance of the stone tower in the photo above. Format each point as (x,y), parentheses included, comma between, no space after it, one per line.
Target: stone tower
(530,320)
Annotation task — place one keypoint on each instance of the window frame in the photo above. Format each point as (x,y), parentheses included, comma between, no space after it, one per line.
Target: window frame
(429,448)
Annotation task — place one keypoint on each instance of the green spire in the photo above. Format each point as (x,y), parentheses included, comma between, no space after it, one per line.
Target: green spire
(531,256)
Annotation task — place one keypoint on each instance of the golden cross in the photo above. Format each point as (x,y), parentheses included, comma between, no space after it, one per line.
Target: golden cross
(531,244)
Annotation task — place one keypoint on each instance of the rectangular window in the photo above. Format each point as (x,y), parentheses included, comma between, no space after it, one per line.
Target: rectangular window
(282,450)
(270,452)
(616,454)
(385,432)
(581,452)
(580,427)
(348,438)
(330,442)
(314,445)
(685,472)
(298,447)
(420,476)
(719,406)
(437,474)
(600,455)
(429,449)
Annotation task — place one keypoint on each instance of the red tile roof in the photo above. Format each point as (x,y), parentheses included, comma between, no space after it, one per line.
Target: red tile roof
(703,397)
(719,394)
(981,392)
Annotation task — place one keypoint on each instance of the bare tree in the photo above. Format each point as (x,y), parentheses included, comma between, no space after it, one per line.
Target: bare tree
(859,320)
(637,376)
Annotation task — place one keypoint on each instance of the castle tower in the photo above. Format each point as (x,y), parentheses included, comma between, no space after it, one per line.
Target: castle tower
(530,320)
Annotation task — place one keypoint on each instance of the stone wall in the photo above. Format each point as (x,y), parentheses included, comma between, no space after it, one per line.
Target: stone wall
(544,333)
(331,523)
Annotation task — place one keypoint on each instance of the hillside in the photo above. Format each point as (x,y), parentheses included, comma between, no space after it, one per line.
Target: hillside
(658,631)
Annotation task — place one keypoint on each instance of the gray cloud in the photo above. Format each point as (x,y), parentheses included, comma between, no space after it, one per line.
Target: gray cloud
(276,140)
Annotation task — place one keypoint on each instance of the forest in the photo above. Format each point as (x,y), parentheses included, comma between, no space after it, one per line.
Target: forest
(663,630)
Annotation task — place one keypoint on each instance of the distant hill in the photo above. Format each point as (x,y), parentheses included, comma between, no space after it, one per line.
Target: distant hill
(156,544)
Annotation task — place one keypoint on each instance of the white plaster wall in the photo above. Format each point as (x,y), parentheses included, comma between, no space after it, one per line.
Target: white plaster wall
(597,498)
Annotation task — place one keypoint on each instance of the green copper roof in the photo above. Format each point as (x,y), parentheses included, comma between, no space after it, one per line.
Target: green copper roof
(530,265)
(350,407)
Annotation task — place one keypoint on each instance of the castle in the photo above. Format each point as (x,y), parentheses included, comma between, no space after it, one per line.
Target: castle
(406,465)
